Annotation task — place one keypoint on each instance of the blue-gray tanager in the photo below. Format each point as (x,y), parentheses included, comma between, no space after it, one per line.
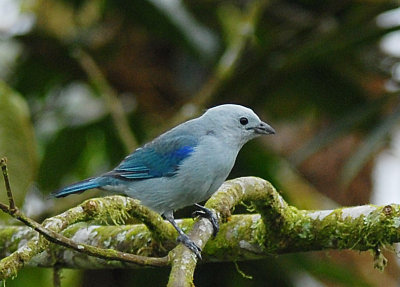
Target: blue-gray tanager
(183,166)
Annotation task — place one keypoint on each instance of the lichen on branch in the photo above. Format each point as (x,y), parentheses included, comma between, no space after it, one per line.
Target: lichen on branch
(275,228)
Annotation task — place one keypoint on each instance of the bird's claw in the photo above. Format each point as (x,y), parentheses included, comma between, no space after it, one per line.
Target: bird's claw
(185,240)
(210,215)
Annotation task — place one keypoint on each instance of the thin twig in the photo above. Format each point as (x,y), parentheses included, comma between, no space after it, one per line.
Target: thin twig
(115,208)
(109,254)
(59,239)
(3,163)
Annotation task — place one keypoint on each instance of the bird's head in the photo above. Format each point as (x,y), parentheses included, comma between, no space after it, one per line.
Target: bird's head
(237,123)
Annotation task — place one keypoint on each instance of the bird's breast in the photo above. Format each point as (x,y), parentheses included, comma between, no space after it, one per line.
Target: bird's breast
(207,168)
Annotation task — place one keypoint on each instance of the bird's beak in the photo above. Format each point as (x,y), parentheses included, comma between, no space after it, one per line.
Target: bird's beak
(263,129)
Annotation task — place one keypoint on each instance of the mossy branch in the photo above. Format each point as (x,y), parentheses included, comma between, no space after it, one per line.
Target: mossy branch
(239,239)
(277,228)
(116,208)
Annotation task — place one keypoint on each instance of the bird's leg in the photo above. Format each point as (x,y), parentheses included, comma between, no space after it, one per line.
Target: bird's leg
(183,238)
(209,214)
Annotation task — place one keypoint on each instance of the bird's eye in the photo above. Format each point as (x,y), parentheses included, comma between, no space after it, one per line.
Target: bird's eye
(244,121)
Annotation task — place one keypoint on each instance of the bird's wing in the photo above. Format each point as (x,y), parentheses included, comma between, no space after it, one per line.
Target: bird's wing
(160,158)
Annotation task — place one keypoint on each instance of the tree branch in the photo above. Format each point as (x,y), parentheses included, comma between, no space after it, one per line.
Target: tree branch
(281,228)
(277,228)
(116,208)
(242,237)
(57,276)
(11,203)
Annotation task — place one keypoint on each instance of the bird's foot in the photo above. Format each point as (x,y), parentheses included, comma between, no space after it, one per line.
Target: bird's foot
(210,215)
(185,240)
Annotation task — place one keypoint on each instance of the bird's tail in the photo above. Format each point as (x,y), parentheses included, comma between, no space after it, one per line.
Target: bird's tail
(77,187)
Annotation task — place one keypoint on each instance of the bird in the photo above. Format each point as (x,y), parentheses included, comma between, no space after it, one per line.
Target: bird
(183,166)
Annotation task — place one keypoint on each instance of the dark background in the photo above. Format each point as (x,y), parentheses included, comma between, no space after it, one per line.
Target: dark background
(317,71)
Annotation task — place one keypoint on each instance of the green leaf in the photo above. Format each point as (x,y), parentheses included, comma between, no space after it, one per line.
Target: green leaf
(17,143)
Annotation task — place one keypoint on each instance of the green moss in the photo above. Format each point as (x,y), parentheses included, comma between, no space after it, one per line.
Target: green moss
(278,228)
(11,237)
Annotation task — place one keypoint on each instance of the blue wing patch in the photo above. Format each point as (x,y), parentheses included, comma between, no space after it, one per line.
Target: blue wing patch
(160,158)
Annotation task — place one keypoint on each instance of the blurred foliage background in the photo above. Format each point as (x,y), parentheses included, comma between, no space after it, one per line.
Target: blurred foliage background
(84,82)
